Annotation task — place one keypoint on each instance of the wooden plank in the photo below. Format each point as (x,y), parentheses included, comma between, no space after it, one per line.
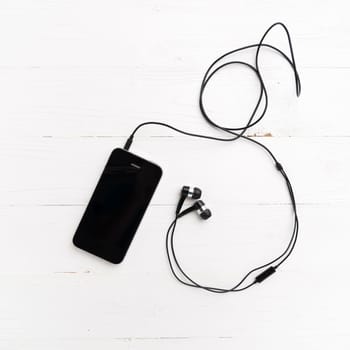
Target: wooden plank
(81,33)
(269,341)
(51,171)
(111,101)
(50,290)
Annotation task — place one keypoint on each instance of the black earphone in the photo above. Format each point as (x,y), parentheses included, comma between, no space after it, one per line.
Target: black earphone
(195,193)
(190,192)
(267,269)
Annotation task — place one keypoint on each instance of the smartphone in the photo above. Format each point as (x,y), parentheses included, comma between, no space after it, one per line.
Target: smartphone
(117,206)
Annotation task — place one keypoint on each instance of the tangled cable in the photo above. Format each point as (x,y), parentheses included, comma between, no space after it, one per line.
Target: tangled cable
(269,267)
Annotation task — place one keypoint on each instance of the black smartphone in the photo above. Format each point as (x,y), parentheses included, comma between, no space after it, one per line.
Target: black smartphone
(117,205)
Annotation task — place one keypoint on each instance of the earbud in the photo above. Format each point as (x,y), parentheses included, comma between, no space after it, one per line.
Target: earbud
(202,210)
(191,192)
(188,192)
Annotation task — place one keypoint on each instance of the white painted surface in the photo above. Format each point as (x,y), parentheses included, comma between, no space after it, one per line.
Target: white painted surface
(75,78)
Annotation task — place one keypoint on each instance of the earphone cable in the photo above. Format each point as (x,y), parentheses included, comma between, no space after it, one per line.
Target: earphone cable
(237,133)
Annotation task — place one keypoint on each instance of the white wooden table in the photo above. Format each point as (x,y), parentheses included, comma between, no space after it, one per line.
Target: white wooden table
(76,77)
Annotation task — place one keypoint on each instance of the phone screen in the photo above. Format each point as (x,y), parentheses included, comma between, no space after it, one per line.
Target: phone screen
(117,205)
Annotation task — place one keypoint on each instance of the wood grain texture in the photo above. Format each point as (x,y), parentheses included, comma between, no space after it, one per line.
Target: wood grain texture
(76,77)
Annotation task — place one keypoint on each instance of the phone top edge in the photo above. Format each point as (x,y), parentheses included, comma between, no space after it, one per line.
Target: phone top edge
(137,156)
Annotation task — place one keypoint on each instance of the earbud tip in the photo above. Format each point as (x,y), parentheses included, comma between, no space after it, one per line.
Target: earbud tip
(206,214)
(196,193)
